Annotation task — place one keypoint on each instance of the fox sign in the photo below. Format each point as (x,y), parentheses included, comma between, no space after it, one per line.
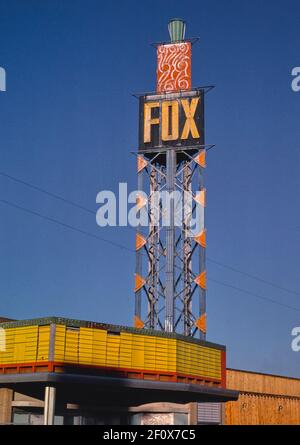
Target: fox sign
(174,119)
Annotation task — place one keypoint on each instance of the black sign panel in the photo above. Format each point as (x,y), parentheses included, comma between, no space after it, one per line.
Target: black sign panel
(171,120)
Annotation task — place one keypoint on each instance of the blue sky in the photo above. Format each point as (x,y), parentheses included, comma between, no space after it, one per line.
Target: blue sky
(68,123)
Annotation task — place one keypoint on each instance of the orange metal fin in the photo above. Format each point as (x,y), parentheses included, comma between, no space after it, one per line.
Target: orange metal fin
(201,238)
(141,163)
(141,201)
(201,280)
(200,323)
(139,282)
(200,158)
(201,197)
(138,323)
(140,241)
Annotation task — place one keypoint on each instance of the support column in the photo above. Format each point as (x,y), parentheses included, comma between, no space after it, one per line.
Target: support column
(202,259)
(170,243)
(49,409)
(6,397)
(193,413)
(138,267)
(187,247)
(152,250)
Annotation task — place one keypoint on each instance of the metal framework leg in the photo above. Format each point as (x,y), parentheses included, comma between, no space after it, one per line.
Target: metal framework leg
(170,243)
(170,291)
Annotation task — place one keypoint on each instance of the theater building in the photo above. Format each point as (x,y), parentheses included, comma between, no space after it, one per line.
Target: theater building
(60,371)
(57,370)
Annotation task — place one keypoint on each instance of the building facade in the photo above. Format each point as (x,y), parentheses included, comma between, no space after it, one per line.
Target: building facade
(57,370)
(264,399)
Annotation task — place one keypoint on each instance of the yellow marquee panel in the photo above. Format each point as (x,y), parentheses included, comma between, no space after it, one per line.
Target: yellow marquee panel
(116,349)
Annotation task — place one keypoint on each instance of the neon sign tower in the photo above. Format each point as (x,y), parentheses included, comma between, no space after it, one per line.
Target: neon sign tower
(170,278)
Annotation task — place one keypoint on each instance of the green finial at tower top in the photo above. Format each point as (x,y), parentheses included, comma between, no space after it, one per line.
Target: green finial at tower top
(176,30)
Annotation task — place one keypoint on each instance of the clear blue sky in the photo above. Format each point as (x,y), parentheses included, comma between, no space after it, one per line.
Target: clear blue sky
(68,124)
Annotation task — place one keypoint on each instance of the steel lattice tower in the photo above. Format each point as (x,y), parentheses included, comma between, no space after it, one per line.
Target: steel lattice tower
(170,279)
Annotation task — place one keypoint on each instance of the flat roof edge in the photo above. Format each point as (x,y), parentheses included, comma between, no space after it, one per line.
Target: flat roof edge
(264,373)
(106,326)
(184,390)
